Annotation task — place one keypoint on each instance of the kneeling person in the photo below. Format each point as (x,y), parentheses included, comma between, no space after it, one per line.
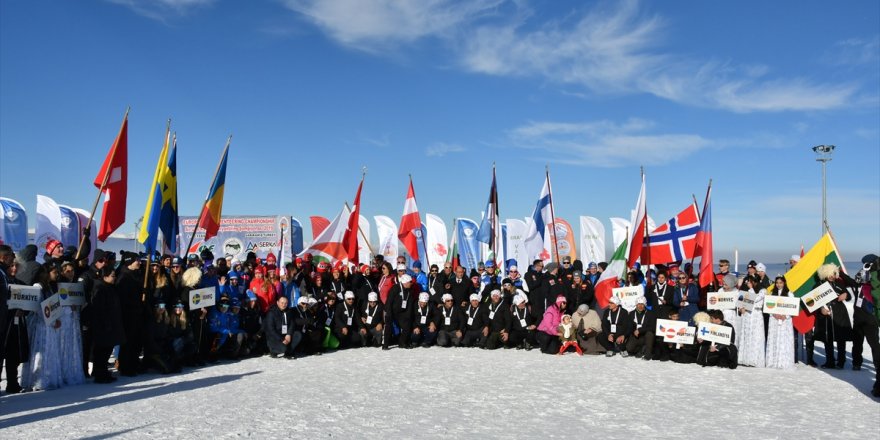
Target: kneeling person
(424,323)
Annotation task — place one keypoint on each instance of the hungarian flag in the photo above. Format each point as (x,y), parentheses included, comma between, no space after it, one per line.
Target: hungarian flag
(211,213)
(610,277)
(804,276)
(704,242)
(328,245)
(351,236)
(410,224)
(674,240)
(112,180)
(638,222)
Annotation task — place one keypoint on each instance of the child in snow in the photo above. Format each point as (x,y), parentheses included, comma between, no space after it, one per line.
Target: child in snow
(567,336)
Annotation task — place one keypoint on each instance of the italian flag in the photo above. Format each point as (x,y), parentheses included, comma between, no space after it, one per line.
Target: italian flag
(610,277)
(328,245)
(803,277)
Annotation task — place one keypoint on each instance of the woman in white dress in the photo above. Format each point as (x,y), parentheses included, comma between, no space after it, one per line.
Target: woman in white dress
(750,340)
(780,335)
(43,372)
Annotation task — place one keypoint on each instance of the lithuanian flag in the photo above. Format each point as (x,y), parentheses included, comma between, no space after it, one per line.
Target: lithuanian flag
(804,276)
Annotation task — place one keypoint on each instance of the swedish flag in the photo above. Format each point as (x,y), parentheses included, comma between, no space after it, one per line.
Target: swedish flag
(161,210)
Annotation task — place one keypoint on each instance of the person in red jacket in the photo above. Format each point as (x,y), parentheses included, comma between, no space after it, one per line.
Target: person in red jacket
(264,290)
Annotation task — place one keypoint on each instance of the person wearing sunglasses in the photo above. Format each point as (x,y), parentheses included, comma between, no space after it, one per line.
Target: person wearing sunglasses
(686,298)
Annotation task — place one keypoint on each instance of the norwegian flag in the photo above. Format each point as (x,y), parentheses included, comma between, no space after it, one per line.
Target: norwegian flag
(674,240)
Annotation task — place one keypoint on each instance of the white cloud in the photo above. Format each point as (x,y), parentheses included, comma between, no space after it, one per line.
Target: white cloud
(855,51)
(606,143)
(440,149)
(162,10)
(372,24)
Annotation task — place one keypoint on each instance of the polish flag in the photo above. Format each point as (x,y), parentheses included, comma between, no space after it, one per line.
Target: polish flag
(638,222)
(410,224)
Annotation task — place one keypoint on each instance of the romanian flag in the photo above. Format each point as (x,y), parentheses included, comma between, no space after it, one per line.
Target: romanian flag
(161,210)
(803,276)
(210,218)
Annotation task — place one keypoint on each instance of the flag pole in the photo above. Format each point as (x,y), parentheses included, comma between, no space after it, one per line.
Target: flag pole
(82,239)
(647,233)
(494,232)
(202,211)
(552,214)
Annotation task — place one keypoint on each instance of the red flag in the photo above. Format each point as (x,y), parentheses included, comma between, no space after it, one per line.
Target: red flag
(350,241)
(639,223)
(674,240)
(112,181)
(318,225)
(410,222)
(704,242)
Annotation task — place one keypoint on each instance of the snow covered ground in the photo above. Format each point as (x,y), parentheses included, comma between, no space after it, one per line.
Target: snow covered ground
(456,393)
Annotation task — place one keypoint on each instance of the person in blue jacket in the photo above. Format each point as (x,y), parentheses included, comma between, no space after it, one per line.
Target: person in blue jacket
(224,328)
(420,276)
(686,298)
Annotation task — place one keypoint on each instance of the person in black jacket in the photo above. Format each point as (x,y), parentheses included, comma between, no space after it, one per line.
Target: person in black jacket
(278,326)
(644,324)
(716,354)
(660,297)
(615,328)
(582,292)
(251,322)
(106,324)
(450,322)
(424,323)
(346,323)
(476,327)
(401,302)
(498,314)
(308,320)
(372,327)
(460,287)
(833,326)
(130,286)
(89,278)
(521,326)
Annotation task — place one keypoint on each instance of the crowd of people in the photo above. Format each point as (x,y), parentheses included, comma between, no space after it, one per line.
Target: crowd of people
(142,307)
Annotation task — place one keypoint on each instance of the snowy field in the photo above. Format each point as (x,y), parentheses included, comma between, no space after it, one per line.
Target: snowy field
(456,393)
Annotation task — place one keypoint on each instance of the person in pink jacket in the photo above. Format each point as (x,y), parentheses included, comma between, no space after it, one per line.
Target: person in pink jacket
(547,335)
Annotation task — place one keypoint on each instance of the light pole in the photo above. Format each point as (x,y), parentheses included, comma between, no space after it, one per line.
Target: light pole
(823,154)
(137,228)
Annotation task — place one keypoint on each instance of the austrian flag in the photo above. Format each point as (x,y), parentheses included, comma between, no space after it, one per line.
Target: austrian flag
(674,240)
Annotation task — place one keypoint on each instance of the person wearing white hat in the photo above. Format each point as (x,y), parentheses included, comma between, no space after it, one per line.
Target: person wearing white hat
(793,261)
(399,310)
(764,281)
(424,323)
(304,323)
(615,328)
(450,323)
(644,323)
(476,323)
(371,321)
(346,323)
(521,325)
(498,314)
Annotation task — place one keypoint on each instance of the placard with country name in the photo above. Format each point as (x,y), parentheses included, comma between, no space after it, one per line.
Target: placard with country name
(717,333)
(24,298)
(675,331)
(51,309)
(72,294)
(722,300)
(782,305)
(746,300)
(819,296)
(628,295)
(202,298)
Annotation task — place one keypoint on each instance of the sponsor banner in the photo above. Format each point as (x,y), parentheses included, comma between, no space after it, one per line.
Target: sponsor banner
(51,309)
(202,298)
(782,305)
(24,298)
(72,294)
(819,296)
(239,235)
(717,333)
(722,300)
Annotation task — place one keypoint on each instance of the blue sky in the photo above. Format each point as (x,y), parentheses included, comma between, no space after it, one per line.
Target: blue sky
(312,91)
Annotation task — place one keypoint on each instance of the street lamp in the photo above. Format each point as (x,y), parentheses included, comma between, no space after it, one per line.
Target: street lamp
(823,154)
(137,228)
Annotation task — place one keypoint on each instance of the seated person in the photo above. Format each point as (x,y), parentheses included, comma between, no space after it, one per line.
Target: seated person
(424,325)
(476,327)
(521,326)
(716,354)
(644,324)
(346,323)
(451,323)
(568,336)
(371,321)
(588,326)
(615,328)
(278,328)
(499,317)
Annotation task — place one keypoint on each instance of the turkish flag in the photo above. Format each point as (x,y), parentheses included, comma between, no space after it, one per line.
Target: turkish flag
(112,180)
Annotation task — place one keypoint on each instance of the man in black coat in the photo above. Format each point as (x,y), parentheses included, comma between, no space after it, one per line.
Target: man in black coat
(644,323)
(460,287)
(278,327)
(424,322)
(615,328)
(716,354)
(547,292)
(372,326)
(451,323)
(130,286)
(401,302)
(346,323)
(89,278)
(499,321)
(106,323)
(521,326)
(476,327)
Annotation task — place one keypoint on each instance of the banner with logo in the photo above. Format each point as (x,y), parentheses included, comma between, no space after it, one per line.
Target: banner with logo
(24,298)
(628,296)
(746,300)
(592,240)
(202,298)
(70,227)
(515,244)
(819,296)
(51,309)
(13,224)
(722,300)
(468,246)
(676,332)
(437,239)
(386,229)
(48,224)
(719,334)
(72,294)
(364,244)
(239,235)
(566,241)
(782,305)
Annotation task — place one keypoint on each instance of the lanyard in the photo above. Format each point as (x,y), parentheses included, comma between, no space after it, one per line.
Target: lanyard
(374,311)
(433,281)
(496,307)
(284,315)
(659,290)
(450,313)
(616,318)
(425,309)
(636,318)
(347,311)
(477,310)
(517,313)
